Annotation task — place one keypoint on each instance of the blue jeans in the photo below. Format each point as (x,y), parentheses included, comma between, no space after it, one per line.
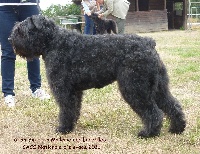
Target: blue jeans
(89,26)
(9,15)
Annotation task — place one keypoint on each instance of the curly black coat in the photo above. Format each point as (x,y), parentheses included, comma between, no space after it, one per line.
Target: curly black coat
(104,26)
(76,62)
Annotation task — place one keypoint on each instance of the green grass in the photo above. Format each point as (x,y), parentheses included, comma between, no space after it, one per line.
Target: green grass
(106,120)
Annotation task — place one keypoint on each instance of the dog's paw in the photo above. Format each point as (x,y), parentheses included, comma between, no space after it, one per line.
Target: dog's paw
(177,127)
(144,134)
(63,130)
(177,130)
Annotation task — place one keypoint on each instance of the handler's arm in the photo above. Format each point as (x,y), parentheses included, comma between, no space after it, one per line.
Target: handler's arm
(109,6)
(85,7)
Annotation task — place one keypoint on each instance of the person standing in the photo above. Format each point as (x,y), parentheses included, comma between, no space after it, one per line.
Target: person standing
(89,6)
(118,9)
(12,11)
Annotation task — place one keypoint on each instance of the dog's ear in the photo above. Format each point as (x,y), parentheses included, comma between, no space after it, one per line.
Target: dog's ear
(41,22)
(38,21)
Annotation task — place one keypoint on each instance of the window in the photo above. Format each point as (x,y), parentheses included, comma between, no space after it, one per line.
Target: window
(143,5)
(179,6)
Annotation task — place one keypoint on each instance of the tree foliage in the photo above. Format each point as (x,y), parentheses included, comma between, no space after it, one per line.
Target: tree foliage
(59,10)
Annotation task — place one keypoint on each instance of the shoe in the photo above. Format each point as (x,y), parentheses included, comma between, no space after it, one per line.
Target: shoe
(39,93)
(10,101)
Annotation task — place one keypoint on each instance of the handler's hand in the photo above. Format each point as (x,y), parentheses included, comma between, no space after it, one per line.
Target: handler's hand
(100,15)
(88,13)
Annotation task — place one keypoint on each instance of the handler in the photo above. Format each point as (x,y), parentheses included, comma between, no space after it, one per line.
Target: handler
(118,9)
(12,11)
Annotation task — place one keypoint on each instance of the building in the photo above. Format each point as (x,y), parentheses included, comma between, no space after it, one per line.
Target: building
(155,15)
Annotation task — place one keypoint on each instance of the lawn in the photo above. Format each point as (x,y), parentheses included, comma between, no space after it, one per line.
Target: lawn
(107,124)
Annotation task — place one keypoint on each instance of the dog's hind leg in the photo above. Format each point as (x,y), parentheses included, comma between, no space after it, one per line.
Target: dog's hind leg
(114,27)
(137,91)
(170,105)
(109,31)
(69,105)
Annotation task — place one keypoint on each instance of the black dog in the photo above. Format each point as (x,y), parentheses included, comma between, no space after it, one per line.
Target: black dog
(104,26)
(76,62)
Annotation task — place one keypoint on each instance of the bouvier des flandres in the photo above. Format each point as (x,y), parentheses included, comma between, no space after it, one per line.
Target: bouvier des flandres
(76,62)
(104,26)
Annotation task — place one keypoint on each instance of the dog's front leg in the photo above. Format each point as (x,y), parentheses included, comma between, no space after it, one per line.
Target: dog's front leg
(70,105)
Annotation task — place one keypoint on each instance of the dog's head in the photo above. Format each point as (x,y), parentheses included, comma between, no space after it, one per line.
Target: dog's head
(30,37)
(94,17)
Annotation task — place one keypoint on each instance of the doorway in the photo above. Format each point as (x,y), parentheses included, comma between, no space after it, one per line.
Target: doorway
(175,14)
